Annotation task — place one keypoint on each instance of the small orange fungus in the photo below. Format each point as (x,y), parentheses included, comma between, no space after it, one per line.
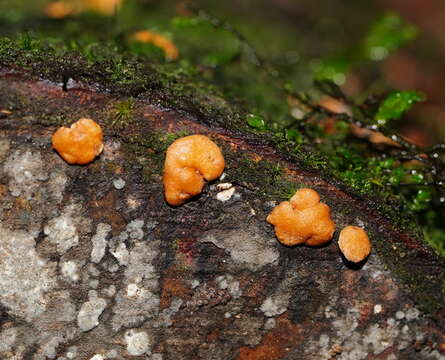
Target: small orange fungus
(302,220)
(58,9)
(105,7)
(148,37)
(188,162)
(80,143)
(354,243)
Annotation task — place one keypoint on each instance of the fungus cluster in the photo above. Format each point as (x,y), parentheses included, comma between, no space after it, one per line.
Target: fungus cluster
(80,143)
(190,160)
(193,159)
(303,219)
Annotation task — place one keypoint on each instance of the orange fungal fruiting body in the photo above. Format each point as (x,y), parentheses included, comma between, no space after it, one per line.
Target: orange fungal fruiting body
(58,9)
(188,162)
(149,37)
(303,219)
(354,243)
(80,143)
(104,7)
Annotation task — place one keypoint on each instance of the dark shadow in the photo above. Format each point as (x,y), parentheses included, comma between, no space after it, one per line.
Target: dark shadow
(352,265)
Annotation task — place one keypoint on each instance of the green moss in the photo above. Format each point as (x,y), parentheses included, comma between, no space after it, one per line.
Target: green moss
(404,264)
(122,113)
(263,177)
(112,69)
(148,150)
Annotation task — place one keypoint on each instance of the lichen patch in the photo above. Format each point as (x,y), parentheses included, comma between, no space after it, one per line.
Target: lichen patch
(248,248)
(25,277)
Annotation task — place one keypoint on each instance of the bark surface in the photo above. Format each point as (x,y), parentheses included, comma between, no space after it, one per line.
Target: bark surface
(95,265)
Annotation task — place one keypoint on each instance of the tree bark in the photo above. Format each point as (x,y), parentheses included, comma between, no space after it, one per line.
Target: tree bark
(95,265)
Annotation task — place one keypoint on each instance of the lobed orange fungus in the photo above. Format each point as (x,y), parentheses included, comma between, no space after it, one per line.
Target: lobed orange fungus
(188,162)
(80,143)
(302,220)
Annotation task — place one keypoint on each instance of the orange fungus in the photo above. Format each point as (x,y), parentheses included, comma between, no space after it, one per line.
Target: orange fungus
(80,143)
(149,37)
(302,220)
(354,243)
(188,162)
(58,9)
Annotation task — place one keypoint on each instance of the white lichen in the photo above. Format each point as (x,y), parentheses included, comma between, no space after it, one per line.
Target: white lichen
(144,302)
(165,317)
(247,247)
(109,291)
(120,252)
(69,270)
(228,283)
(119,183)
(274,306)
(62,231)
(134,229)
(97,357)
(99,241)
(25,277)
(138,342)
(26,171)
(88,317)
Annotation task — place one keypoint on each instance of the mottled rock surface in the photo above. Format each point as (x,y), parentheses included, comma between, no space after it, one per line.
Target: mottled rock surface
(95,265)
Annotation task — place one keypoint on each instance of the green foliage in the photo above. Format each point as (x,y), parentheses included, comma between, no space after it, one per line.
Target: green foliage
(421,199)
(194,33)
(389,33)
(395,105)
(294,135)
(435,236)
(149,50)
(256,122)
(27,42)
(333,69)
(363,174)
(385,36)
(182,22)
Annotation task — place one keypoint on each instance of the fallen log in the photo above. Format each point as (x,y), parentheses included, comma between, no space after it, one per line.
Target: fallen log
(95,263)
